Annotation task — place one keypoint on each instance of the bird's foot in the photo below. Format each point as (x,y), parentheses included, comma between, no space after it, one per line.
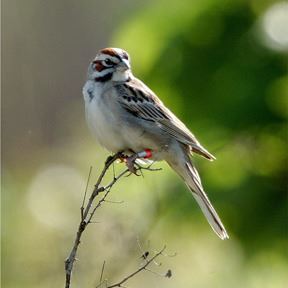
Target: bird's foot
(130,160)
(130,163)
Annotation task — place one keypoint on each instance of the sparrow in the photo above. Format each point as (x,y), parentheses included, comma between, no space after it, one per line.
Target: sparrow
(126,116)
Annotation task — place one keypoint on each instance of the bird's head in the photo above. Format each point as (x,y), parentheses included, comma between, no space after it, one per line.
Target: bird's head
(110,64)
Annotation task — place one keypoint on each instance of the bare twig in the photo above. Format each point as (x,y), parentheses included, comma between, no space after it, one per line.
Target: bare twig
(86,217)
(85,193)
(102,271)
(149,167)
(88,211)
(144,254)
(107,189)
(143,267)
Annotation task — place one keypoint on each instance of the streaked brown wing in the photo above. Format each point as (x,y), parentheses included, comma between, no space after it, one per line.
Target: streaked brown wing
(137,99)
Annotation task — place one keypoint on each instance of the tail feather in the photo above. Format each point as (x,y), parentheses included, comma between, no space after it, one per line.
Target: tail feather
(191,177)
(203,152)
(194,184)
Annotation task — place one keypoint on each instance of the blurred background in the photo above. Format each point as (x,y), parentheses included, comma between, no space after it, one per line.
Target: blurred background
(221,66)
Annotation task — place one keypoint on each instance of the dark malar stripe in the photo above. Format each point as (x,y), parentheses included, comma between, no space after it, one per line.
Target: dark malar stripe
(104,78)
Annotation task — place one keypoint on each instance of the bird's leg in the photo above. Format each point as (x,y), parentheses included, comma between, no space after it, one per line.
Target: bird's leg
(130,161)
(145,154)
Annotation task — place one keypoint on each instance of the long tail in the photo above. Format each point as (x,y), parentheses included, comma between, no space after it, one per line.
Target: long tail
(187,171)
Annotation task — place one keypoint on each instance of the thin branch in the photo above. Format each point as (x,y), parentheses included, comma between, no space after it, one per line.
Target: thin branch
(114,202)
(155,273)
(88,211)
(143,253)
(69,262)
(102,271)
(143,267)
(107,189)
(85,193)
(140,167)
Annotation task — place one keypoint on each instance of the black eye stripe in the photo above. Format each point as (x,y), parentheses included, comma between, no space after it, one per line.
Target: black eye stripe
(109,62)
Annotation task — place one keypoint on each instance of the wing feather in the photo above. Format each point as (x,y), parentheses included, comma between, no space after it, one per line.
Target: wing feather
(136,98)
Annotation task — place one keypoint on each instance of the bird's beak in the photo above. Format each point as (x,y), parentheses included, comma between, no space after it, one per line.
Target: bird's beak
(123,65)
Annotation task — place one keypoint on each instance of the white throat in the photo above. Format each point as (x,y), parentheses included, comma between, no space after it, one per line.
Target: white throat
(121,76)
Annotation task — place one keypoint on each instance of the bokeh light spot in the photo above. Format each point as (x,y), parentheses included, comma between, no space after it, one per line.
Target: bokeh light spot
(275,26)
(55,194)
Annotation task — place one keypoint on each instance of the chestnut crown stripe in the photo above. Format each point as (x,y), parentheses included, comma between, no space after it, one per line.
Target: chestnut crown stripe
(111,52)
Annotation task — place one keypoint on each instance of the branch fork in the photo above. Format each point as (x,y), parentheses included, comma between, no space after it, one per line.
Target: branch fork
(88,210)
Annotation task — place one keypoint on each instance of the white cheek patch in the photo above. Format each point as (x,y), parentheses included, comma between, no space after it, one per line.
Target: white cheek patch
(119,76)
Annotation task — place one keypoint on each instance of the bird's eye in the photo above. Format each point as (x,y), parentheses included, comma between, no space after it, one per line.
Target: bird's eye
(109,62)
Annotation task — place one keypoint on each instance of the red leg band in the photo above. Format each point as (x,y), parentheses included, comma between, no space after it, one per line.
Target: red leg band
(148,153)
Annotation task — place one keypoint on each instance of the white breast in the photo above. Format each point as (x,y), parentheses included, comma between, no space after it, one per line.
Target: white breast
(105,120)
(102,121)
(97,116)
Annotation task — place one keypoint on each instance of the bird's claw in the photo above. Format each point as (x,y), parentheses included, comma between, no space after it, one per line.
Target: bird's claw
(130,163)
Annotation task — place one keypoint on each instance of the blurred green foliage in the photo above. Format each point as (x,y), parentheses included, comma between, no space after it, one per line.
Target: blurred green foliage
(209,65)
(207,61)
(210,62)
